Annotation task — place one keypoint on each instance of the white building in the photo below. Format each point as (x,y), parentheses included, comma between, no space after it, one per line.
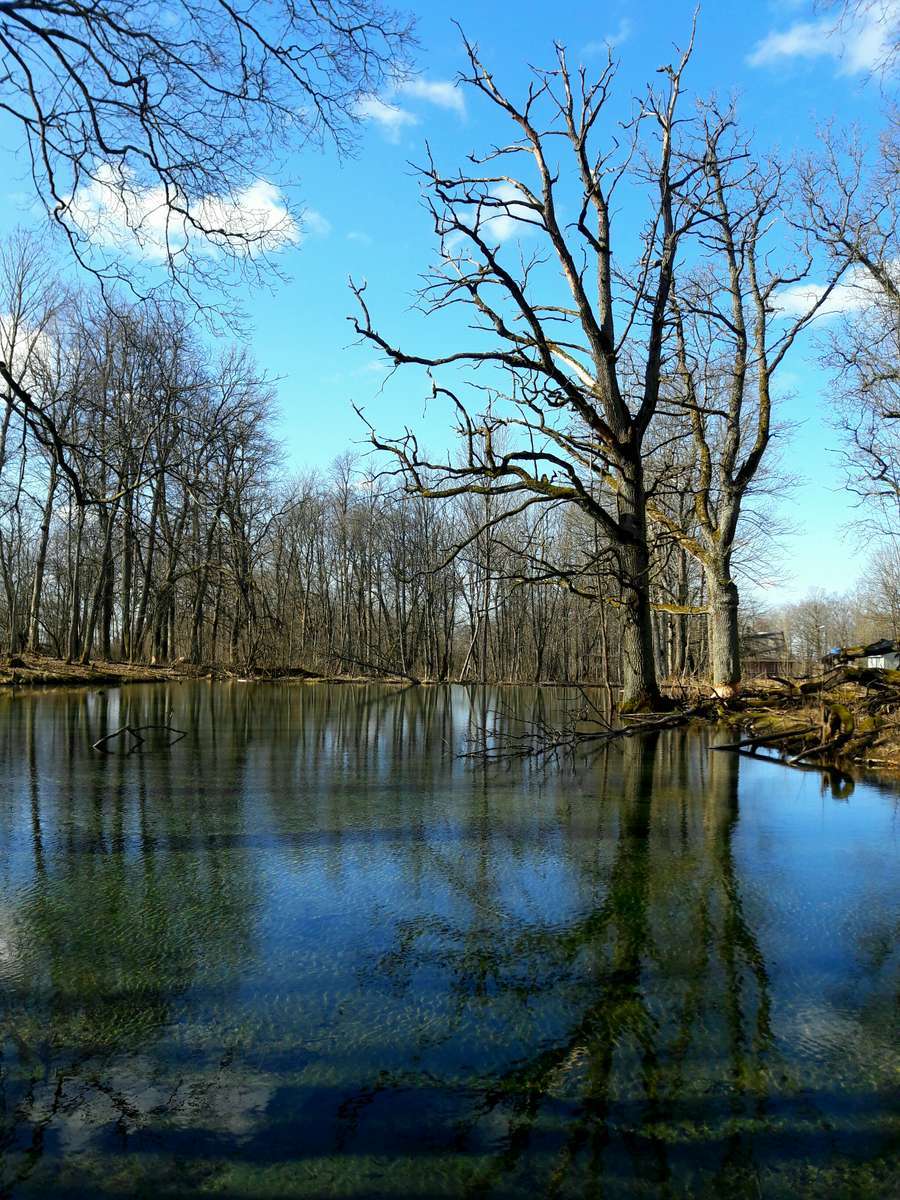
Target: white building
(884,662)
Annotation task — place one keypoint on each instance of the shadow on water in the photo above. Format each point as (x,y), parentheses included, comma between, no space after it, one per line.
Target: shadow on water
(310,951)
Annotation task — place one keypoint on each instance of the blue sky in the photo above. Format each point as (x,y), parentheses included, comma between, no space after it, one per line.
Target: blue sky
(366,218)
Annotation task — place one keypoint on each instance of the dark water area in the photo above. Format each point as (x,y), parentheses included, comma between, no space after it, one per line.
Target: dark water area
(309,951)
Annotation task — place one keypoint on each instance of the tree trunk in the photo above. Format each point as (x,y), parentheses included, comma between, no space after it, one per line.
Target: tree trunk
(724,644)
(640,691)
(37,587)
(74,637)
(127,578)
(100,590)
(140,620)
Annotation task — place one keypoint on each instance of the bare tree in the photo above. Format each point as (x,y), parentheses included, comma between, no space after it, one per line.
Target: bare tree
(849,15)
(731,335)
(157,123)
(853,210)
(575,378)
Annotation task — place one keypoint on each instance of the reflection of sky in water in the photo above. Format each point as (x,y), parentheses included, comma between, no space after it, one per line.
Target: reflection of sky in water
(823,891)
(310,948)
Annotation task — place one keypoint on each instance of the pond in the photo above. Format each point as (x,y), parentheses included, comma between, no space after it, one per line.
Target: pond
(311,951)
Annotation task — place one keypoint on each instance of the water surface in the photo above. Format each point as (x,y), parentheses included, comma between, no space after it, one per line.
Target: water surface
(309,951)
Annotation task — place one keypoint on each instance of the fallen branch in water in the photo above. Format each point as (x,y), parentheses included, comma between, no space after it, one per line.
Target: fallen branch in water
(135,732)
(764,739)
(382,669)
(822,748)
(541,740)
(823,724)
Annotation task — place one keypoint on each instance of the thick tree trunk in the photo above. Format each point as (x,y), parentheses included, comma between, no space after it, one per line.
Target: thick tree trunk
(108,610)
(198,617)
(724,643)
(127,578)
(640,691)
(140,620)
(678,624)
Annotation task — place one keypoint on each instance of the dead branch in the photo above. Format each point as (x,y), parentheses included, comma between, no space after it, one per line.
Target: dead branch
(135,732)
(767,739)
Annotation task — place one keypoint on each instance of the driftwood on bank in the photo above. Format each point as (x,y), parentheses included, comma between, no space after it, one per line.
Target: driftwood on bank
(858,709)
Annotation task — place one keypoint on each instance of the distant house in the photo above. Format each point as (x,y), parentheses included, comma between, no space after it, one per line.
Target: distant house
(764,655)
(883,655)
(884,662)
(887,661)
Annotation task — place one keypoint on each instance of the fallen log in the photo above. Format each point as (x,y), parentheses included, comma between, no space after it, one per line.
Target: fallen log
(766,739)
(820,749)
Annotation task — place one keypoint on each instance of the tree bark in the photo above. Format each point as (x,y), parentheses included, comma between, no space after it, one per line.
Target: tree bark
(128,541)
(101,588)
(724,642)
(74,637)
(640,691)
(37,586)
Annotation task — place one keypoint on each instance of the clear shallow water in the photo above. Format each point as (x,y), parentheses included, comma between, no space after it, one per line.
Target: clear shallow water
(310,952)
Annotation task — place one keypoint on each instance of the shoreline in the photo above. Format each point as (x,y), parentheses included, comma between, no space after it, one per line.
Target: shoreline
(33,670)
(766,715)
(27,671)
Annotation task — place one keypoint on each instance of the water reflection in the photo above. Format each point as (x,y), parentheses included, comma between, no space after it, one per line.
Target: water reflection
(308,950)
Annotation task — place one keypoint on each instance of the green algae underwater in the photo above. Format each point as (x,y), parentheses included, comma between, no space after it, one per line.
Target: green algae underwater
(309,951)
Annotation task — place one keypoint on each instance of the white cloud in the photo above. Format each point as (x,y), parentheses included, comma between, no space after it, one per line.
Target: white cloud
(114,210)
(375,366)
(856,293)
(312,222)
(495,224)
(357,235)
(803,39)
(393,118)
(861,43)
(620,34)
(508,222)
(871,39)
(798,299)
(440,92)
(390,117)
(22,348)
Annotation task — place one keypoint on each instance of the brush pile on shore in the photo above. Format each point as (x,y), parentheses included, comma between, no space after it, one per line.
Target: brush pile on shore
(849,715)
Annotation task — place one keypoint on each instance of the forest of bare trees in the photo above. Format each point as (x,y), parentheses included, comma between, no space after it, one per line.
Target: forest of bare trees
(163,525)
(176,533)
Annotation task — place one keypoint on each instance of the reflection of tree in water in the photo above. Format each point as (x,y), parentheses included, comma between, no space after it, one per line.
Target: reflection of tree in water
(572,1000)
(660,978)
(122,910)
(650,1005)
